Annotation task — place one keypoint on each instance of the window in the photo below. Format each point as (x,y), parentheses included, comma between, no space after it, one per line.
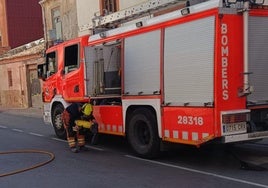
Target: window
(56,24)
(108,6)
(9,77)
(71,58)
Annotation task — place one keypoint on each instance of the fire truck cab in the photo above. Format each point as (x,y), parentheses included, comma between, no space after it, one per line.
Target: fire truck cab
(189,76)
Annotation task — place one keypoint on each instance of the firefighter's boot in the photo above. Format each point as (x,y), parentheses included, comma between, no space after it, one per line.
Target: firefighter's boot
(72,144)
(74,150)
(81,142)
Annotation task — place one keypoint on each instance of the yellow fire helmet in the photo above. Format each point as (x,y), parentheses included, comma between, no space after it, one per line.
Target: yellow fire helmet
(87,109)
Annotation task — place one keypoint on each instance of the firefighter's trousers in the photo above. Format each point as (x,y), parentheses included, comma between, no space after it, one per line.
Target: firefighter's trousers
(89,125)
(75,137)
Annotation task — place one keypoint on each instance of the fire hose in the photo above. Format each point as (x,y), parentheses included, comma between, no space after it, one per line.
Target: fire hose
(79,123)
(51,158)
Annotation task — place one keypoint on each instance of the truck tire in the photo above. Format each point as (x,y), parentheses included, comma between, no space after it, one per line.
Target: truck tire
(142,133)
(57,121)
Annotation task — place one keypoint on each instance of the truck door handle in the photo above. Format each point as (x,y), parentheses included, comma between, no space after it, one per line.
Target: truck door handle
(76,89)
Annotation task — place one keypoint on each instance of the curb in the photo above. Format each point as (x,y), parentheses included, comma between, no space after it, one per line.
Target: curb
(29,112)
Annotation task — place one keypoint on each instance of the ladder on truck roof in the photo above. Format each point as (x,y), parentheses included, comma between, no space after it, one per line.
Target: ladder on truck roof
(131,13)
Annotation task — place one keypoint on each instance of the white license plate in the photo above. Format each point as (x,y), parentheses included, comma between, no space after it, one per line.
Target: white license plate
(234,128)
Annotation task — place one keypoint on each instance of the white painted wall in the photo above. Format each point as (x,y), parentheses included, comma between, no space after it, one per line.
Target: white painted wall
(127,3)
(87,8)
(85,13)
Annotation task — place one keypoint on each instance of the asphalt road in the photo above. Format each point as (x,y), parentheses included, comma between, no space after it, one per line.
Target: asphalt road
(112,164)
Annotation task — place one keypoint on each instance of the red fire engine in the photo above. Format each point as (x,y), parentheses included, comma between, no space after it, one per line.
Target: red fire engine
(189,76)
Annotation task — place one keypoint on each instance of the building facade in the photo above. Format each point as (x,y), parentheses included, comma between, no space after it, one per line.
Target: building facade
(60,20)
(63,20)
(19,85)
(21,29)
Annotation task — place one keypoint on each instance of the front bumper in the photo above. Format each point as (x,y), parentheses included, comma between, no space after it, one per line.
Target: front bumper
(47,114)
(245,137)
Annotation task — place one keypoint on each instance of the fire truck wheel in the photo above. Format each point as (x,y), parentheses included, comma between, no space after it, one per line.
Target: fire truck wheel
(142,133)
(57,121)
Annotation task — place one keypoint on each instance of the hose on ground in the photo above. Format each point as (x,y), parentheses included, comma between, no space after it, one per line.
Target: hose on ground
(51,158)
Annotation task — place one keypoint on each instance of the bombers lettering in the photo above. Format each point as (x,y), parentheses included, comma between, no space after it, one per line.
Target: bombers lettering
(224,61)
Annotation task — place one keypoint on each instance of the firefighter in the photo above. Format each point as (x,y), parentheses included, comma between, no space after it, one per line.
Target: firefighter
(74,118)
(88,122)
